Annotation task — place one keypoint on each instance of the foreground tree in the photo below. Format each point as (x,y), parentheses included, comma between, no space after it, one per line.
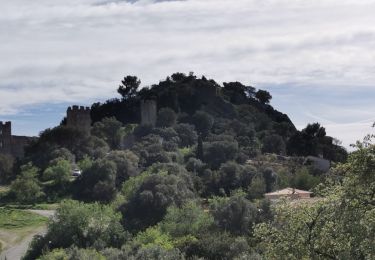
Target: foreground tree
(340,226)
(81,225)
(26,187)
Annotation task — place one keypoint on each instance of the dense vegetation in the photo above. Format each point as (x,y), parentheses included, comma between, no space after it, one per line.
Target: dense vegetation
(192,186)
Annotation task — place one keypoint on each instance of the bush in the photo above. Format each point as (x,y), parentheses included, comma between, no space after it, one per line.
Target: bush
(97,183)
(149,203)
(81,225)
(26,187)
(187,134)
(220,149)
(6,168)
(166,117)
(236,215)
(59,172)
(190,219)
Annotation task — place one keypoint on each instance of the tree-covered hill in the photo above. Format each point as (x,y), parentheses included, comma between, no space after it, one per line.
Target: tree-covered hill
(237,110)
(188,185)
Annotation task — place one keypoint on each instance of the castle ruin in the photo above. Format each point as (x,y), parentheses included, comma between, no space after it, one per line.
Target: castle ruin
(79,117)
(148,112)
(12,144)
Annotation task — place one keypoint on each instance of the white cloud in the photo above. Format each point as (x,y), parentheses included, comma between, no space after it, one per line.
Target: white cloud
(76,50)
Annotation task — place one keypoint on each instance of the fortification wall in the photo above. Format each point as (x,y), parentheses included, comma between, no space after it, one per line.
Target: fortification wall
(148,112)
(18,145)
(11,144)
(79,117)
(5,137)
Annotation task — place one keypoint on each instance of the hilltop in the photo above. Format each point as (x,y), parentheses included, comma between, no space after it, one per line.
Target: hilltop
(185,150)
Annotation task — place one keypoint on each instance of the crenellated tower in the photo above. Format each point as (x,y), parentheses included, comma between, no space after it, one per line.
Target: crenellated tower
(148,112)
(79,117)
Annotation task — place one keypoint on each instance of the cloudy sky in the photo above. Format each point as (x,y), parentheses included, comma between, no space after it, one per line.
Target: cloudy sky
(316,57)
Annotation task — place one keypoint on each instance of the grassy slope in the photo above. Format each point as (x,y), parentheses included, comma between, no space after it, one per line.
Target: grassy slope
(15,225)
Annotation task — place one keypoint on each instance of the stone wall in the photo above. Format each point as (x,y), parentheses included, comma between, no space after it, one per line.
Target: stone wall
(11,144)
(5,137)
(19,143)
(148,112)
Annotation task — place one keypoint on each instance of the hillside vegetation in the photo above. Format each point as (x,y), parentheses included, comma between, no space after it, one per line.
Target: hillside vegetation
(192,186)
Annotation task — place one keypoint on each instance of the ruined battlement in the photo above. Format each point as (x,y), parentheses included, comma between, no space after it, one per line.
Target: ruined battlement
(5,126)
(79,109)
(79,117)
(5,131)
(10,144)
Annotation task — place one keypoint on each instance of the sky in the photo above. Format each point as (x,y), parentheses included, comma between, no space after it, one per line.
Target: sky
(316,57)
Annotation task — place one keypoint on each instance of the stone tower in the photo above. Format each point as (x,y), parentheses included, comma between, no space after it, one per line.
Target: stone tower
(79,117)
(6,137)
(148,112)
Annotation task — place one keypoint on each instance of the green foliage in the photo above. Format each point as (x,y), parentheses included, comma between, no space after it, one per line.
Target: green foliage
(210,147)
(149,203)
(85,163)
(6,168)
(26,187)
(203,122)
(152,237)
(97,183)
(130,186)
(195,166)
(150,150)
(15,219)
(304,180)
(166,117)
(187,134)
(59,172)
(220,245)
(110,130)
(190,219)
(219,149)
(274,144)
(73,254)
(236,214)
(257,187)
(312,140)
(81,225)
(337,227)
(156,253)
(129,86)
(263,96)
(126,165)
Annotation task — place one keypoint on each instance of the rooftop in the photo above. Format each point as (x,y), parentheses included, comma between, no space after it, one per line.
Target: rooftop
(289,191)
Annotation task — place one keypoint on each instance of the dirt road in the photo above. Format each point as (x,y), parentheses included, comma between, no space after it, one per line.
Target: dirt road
(17,251)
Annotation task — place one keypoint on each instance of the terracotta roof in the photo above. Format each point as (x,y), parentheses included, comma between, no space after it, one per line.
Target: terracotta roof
(288,191)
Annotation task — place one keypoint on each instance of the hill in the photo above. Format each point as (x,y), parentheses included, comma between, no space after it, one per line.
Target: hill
(178,169)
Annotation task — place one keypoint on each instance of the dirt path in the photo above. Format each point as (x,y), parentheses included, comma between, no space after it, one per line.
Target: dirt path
(17,251)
